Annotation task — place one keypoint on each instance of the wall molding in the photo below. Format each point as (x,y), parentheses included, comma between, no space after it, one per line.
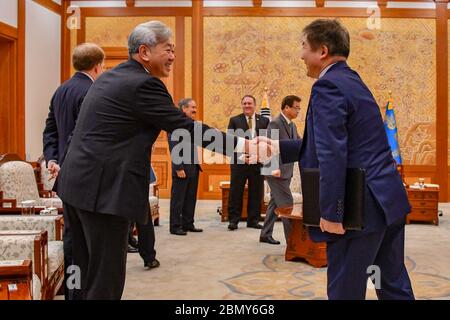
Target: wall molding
(8,31)
(50,5)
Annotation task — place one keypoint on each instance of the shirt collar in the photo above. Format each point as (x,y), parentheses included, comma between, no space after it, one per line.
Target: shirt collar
(87,75)
(287,119)
(326,69)
(253,116)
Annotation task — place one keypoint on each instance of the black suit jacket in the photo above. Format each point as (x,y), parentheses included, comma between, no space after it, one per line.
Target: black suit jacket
(240,122)
(107,167)
(64,109)
(191,167)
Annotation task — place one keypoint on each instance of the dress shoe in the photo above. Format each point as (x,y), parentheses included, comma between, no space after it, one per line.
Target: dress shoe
(193,229)
(255,226)
(179,232)
(269,240)
(232,226)
(132,250)
(132,241)
(153,264)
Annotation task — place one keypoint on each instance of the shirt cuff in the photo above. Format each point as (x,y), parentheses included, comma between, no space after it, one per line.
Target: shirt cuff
(240,145)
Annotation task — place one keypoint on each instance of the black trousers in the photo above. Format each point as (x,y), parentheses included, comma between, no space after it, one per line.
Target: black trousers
(182,202)
(240,174)
(99,243)
(146,240)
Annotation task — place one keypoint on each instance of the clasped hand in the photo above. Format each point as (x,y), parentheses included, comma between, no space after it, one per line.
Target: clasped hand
(261,149)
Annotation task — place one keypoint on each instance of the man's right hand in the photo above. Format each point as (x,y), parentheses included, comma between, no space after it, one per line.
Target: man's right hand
(181,174)
(53,168)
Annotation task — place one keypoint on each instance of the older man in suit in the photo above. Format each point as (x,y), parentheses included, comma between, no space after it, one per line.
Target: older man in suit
(88,60)
(244,167)
(280,179)
(185,172)
(104,182)
(344,129)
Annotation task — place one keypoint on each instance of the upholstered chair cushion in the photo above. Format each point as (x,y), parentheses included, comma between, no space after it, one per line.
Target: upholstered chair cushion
(55,256)
(17,181)
(26,223)
(296,187)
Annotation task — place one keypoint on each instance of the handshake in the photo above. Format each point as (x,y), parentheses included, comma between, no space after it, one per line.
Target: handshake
(260,149)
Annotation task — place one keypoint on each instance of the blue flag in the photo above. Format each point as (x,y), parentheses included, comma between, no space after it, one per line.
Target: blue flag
(391,131)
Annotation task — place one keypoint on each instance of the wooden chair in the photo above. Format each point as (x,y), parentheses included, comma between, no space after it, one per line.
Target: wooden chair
(18,182)
(16,280)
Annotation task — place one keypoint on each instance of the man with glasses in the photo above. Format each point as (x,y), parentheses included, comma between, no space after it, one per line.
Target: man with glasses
(280,179)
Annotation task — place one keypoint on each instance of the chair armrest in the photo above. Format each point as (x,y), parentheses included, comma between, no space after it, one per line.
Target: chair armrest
(27,244)
(51,224)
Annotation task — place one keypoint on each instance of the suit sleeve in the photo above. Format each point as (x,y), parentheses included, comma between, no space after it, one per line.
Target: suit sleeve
(172,145)
(50,136)
(290,150)
(329,111)
(155,107)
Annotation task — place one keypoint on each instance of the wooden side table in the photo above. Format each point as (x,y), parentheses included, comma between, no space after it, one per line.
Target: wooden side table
(16,281)
(424,203)
(226,195)
(299,245)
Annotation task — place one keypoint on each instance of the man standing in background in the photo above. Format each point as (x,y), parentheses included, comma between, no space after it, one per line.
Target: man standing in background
(280,181)
(246,125)
(88,60)
(184,179)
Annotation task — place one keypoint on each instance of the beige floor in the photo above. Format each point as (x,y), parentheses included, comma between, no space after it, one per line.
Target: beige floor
(218,264)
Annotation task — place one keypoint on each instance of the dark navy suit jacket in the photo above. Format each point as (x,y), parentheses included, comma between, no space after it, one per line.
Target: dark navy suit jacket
(344,129)
(190,167)
(64,109)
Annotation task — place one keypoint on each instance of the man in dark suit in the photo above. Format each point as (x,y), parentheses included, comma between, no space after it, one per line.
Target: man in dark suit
(279,180)
(344,129)
(244,167)
(88,60)
(104,182)
(185,172)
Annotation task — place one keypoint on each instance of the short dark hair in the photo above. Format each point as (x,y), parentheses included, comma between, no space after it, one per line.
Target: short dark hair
(86,56)
(289,101)
(249,96)
(184,103)
(330,33)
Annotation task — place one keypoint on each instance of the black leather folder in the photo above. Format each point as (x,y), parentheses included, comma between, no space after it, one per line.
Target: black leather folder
(355,187)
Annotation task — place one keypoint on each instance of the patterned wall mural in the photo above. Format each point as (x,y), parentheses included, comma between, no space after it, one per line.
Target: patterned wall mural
(113,32)
(245,55)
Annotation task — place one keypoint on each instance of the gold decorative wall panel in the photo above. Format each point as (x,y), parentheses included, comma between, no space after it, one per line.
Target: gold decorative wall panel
(244,55)
(448,83)
(114,31)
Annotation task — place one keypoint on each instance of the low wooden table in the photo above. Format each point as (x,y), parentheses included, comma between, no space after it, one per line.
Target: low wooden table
(226,195)
(19,276)
(299,245)
(424,203)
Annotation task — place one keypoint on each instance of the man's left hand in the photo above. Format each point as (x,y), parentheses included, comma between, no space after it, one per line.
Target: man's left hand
(331,227)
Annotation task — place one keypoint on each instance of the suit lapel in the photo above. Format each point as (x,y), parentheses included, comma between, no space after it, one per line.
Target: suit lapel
(285,125)
(244,122)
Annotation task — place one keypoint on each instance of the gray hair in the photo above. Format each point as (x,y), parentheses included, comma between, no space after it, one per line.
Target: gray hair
(184,103)
(149,33)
